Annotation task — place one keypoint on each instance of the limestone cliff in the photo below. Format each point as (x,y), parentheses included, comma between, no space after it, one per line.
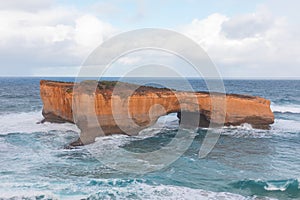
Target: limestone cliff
(118,113)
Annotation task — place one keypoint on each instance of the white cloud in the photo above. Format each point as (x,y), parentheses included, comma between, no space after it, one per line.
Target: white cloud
(248,25)
(207,30)
(28,5)
(129,60)
(106,8)
(89,30)
(253,44)
(39,36)
(52,37)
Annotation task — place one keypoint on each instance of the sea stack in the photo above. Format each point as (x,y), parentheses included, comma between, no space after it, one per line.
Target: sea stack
(118,113)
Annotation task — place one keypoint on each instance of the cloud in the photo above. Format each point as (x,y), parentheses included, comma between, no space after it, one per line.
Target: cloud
(127,60)
(41,36)
(89,30)
(205,31)
(28,5)
(253,44)
(106,8)
(48,38)
(247,26)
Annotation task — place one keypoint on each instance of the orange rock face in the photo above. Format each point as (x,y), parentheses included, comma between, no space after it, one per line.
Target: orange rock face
(125,112)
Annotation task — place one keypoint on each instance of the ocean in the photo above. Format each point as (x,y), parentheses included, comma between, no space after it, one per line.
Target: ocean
(246,163)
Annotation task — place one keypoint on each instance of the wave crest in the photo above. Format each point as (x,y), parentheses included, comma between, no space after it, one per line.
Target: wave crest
(28,123)
(290,187)
(141,190)
(292,108)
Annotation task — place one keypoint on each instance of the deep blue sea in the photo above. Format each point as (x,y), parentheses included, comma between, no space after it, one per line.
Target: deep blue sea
(245,164)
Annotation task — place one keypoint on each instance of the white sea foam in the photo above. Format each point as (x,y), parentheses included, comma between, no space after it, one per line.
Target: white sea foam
(28,123)
(244,126)
(166,192)
(133,190)
(113,141)
(283,187)
(271,187)
(292,108)
(281,127)
(26,194)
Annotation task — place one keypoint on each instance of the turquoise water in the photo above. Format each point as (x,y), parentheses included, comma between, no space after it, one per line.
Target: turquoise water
(245,164)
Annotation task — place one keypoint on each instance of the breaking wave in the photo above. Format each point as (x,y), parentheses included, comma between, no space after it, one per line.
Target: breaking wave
(142,190)
(290,108)
(289,187)
(28,122)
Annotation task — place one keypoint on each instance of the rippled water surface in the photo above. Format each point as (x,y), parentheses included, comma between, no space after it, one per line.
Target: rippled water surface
(245,164)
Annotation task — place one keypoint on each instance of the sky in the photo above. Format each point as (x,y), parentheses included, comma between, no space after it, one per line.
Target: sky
(244,39)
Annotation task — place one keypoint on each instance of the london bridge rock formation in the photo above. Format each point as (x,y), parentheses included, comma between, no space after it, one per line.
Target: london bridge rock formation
(127,108)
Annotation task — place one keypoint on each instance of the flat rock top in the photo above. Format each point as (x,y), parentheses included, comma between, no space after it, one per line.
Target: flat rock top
(107,87)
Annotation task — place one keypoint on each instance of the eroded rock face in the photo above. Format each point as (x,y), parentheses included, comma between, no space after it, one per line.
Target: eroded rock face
(122,112)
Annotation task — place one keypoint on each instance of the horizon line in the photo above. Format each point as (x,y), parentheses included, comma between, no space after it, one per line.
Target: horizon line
(188,77)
